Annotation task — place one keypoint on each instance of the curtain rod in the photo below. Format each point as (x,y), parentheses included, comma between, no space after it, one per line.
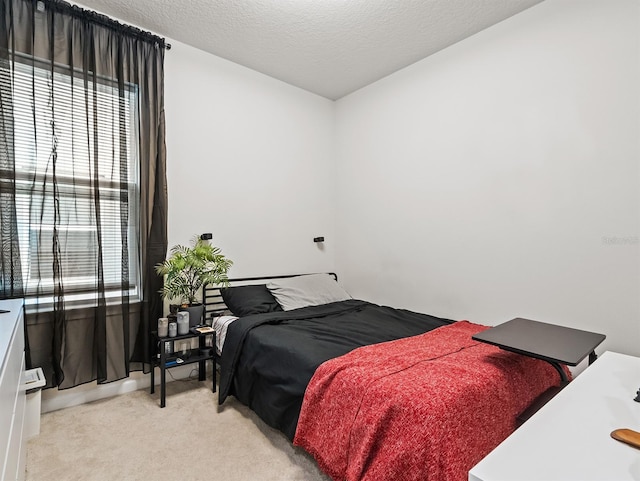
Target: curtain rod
(103,20)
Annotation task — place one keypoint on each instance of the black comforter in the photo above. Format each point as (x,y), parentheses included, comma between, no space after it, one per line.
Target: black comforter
(268,359)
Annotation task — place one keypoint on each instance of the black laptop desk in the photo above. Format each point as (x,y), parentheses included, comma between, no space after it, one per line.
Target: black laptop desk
(551,343)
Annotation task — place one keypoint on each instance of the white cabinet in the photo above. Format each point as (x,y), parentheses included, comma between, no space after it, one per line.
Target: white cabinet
(569,438)
(12,391)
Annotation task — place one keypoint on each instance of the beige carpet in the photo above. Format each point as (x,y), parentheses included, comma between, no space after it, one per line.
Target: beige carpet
(129,437)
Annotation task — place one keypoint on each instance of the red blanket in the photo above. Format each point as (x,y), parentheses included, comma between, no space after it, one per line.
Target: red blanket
(427,407)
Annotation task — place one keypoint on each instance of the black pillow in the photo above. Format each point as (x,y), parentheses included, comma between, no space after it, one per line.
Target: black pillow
(248,300)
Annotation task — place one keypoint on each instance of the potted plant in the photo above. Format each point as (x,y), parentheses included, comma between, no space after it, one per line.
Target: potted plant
(187,270)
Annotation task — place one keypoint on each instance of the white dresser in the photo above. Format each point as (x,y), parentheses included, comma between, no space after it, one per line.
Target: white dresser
(12,391)
(569,438)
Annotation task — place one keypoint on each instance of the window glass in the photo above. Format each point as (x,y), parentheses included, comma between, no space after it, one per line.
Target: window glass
(89,148)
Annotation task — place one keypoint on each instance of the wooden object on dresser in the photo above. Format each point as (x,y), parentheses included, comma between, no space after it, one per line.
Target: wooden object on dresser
(12,391)
(569,438)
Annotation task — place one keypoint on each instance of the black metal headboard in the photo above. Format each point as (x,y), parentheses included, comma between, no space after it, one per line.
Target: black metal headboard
(212,299)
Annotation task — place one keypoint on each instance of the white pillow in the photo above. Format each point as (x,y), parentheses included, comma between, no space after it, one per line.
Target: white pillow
(220,324)
(304,291)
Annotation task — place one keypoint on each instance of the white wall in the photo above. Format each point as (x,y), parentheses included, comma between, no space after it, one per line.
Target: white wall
(250,159)
(500,177)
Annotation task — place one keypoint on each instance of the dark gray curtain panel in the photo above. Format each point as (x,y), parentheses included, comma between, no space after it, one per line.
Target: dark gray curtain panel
(83,196)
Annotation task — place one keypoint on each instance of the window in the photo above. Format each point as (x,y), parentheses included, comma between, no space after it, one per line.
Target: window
(63,161)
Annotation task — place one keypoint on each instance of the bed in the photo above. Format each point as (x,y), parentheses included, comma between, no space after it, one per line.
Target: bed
(371,392)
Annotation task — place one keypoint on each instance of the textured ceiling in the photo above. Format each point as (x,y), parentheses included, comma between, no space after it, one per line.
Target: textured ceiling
(330,47)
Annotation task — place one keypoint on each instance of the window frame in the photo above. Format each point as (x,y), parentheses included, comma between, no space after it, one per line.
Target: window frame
(83,295)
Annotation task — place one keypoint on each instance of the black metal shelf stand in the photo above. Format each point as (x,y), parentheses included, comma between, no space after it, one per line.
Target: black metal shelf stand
(165,360)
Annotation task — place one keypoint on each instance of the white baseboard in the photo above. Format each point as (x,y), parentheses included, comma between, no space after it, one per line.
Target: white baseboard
(54,399)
